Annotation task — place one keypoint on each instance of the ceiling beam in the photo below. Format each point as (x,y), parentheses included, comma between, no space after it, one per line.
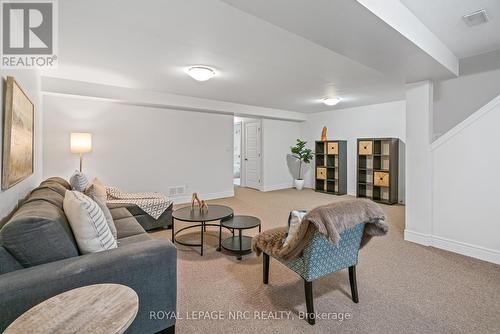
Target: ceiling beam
(71,88)
(401,19)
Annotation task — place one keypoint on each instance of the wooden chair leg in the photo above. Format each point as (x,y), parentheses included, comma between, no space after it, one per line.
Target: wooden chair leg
(308,287)
(265,262)
(354,286)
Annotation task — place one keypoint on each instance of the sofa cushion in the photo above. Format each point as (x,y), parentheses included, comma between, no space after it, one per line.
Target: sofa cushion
(38,233)
(132,208)
(133,239)
(126,224)
(7,262)
(146,221)
(56,185)
(88,223)
(59,180)
(46,194)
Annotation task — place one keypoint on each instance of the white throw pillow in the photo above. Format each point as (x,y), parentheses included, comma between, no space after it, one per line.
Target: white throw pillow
(78,181)
(88,223)
(294,220)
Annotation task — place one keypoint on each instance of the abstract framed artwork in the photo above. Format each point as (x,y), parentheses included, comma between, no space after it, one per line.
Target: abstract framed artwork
(18,136)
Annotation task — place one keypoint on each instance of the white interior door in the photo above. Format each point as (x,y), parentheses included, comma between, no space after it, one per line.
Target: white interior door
(252,155)
(237,151)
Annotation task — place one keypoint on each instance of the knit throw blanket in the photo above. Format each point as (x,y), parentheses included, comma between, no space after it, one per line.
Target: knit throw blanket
(154,204)
(330,220)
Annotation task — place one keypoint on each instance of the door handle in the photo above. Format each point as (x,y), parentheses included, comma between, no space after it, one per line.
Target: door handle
(246,159)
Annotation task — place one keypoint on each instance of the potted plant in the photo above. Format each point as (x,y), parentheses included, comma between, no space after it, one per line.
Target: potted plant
(304,155)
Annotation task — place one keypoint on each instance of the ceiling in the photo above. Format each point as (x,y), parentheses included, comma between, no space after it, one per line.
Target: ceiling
(288,55)
(444,19)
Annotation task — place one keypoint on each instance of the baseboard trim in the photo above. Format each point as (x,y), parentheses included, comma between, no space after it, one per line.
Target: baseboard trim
(478,252)
(277,187)
(418,238)
(204,196)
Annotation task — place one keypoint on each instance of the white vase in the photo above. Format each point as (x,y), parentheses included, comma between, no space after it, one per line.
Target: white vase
(299,184)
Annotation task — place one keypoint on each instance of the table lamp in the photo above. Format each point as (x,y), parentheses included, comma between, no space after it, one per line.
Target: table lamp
(81,143)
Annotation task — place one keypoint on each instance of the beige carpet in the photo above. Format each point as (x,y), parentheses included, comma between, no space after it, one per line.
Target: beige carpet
(403,287)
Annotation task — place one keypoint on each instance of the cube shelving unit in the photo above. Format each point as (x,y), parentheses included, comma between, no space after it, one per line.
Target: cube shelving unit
(331,167)
(378,169)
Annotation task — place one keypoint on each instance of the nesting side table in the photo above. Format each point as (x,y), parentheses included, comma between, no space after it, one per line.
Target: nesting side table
(239,244)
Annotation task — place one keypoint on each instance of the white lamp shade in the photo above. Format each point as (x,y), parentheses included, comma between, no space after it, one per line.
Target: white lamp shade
(81,142)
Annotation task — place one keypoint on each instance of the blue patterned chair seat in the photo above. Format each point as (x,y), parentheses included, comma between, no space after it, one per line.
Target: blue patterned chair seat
(320,257)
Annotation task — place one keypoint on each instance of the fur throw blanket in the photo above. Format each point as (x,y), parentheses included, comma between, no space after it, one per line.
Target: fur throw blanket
(330,220)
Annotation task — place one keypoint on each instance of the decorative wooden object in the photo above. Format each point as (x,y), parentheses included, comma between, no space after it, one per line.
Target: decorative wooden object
(323,134)
(378,169)
(331,167)
(100,308)
(203,206)
(195,201)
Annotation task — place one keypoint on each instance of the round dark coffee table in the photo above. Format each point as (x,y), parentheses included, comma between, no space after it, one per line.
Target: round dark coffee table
(240,244)
(186,214)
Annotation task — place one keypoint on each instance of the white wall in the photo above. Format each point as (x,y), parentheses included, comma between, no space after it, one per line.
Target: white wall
(277,138)
(30,82)
(466,211)
(142,148)
(418,160)
(378,120)
(456,99)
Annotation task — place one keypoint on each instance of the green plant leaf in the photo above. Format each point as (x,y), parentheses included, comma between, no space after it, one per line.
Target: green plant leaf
(300,151)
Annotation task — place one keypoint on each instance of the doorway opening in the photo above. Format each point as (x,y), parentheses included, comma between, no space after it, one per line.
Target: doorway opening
(247,171)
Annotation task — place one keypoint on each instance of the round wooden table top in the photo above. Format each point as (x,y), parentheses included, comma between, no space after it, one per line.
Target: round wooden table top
(214,212)
(100,308)
(242,222)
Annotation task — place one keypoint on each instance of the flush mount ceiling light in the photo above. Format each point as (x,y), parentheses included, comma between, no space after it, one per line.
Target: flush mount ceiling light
(201,73)
(331,101)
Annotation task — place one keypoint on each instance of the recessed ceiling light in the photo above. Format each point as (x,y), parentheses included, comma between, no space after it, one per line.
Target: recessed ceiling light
(331,101)
(201,73)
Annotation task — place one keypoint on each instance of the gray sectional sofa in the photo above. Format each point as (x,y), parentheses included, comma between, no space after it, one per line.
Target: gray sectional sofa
(146,221)
(39,259)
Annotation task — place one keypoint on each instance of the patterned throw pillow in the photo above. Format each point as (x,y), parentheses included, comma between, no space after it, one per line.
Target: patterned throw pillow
(88,223)
(79,181)
(294,220)
(97,192)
